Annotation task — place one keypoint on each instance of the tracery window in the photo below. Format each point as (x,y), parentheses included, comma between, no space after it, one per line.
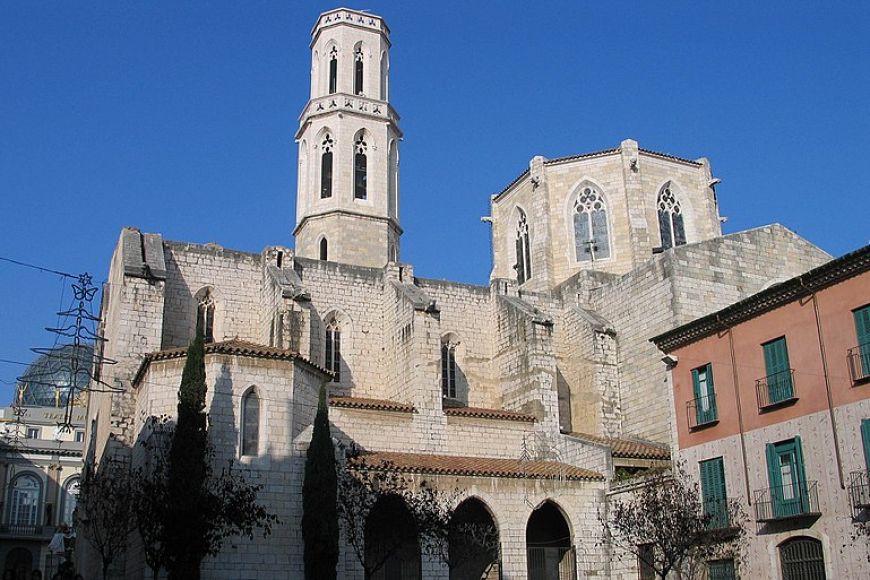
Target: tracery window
(358,71)
(333,350)
(333,70)
(591,238)
(205,316)
(448,370)
(360,167)
(326,166)
(250,423)
(70,500)
(671,223)
(24,500)
(524,257)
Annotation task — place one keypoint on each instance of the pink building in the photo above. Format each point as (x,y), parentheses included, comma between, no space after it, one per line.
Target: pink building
(771,400)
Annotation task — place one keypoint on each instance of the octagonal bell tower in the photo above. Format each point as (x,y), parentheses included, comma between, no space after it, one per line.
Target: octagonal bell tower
(347,199)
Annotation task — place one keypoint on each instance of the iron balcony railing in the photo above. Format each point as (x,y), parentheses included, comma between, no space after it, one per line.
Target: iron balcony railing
(859,489)
(550,563)
(23,531)
(784,502)
(859,362)
(702,411)
(775,389)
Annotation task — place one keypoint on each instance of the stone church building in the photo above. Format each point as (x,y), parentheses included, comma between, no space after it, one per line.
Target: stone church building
(534,395)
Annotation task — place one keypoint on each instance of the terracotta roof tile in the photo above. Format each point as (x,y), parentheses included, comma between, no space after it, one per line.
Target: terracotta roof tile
(473,466)
(481,413)
(370,404)
(231,347)
(629,448)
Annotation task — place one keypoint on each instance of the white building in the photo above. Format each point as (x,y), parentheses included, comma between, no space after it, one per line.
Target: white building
(529,394)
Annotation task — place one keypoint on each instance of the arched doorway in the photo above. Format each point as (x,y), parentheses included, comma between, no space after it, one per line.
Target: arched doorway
(548,544)
(474,543)
(20,561)
(392,543)
(802,558)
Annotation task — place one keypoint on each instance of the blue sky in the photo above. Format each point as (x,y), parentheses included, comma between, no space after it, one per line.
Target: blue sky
(179,118)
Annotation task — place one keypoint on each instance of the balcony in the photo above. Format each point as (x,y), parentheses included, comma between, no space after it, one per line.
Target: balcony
(775,390)
(859,489)
(786,502)
(18,531)
(859,363)
(701,412)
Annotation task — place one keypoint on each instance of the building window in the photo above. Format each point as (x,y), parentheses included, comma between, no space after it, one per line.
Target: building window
(333,350)
(802,558)
(713,495)
(32,433)
(358,71)
(865,439)
(333,70)
(360,167)
(721,569)
(591,238)
(448,370)
(70,500)
(250,423)
(205,316)
(671,224)
(80,436)
(24,500)
(645,562)
(778,385)
(324,249)
(789,492)
(524,257)
(326,167)
(705,396)
(859,357)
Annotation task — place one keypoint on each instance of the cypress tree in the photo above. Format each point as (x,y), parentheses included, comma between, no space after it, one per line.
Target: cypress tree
(319,492)
(187,523)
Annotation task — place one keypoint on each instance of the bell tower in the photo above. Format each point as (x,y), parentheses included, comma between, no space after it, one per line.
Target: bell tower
(347,197)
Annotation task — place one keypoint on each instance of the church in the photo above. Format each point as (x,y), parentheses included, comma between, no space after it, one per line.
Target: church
(538,395)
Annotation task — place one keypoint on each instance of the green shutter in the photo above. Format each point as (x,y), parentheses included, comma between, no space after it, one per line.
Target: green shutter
(696,383)
(713,493)
(865,436)
(803,487)
(862,325)
(779,385)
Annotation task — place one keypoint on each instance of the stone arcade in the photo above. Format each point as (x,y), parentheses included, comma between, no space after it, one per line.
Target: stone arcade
(529,394)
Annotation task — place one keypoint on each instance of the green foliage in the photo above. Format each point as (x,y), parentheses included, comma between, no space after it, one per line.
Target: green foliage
(319,491)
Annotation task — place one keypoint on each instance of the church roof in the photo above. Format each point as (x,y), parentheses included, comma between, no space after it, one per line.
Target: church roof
(623,448)
(232,347)
(371,404)
(481,413)
(455,465)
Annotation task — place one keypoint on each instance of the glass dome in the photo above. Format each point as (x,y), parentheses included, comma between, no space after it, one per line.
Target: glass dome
(47,381)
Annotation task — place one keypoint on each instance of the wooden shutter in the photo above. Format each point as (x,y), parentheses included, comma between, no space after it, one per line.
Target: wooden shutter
(862,325)
(776,356)
(865,436)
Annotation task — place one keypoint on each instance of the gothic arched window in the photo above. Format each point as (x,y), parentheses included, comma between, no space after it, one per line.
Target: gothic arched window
(205,316)
(448,370)
(333,350)
(333,70)
(326,167)
(671,224)
(70,500)
(324,249)
(358,71)
(250,423)
(24,500)
(524,256)
(591,238)
(360,167)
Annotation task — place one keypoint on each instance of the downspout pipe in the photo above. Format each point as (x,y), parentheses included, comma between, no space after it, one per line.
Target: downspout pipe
(834,430)
(736,380)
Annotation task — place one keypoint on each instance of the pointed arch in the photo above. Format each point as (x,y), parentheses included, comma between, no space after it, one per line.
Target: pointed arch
(672,228)
(332,68)
(360,164)
(523,264)
(359,54)
(474,541)
(590,222)
(385,76)
(549,545)
(205,313)
(249,434)
(332,345)
(323,247)
(327,148)
(393,185)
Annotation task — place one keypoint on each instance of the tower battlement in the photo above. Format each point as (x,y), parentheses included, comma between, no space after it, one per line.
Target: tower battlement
(351,17)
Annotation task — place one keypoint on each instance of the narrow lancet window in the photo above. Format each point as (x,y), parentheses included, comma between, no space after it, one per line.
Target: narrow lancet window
(671,224)
(205,316)
(250,423)
(524,258)
(358,71)
(333,70)
(591,238)
(448,370)
(333,350)
(326,167)
(324,250)
(360,168)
